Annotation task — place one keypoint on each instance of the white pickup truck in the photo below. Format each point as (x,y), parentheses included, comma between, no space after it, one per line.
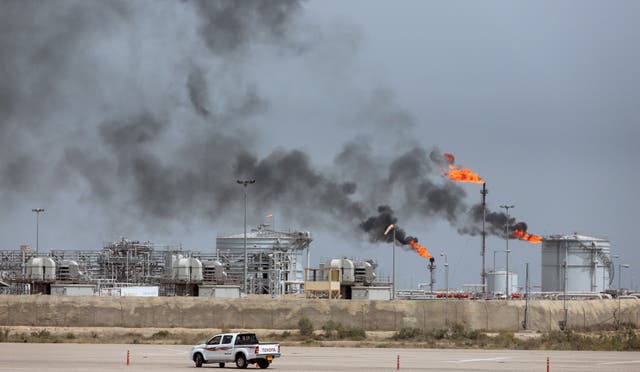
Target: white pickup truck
(241,348)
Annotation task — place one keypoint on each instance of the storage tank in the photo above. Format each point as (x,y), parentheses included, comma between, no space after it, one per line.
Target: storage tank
(589,267)
(41,269)
(346,266)
(35,269)
(186,269)
(497,282)
(195,268)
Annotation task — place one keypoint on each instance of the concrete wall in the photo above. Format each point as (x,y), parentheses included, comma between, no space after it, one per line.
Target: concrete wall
(264,312)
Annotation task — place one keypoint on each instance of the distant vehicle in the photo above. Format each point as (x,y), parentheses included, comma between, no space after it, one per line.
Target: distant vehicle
(241,348)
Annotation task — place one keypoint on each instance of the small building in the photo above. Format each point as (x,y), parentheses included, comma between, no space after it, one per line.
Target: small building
(219,291)
(382,293)
(59,289)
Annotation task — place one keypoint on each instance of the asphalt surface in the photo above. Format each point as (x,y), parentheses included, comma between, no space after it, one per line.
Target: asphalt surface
(89,357)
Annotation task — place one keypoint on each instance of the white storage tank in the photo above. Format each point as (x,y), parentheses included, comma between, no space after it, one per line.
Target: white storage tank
(497,282)
(41,268)
(186,268)
(588,263)
(347,272)
(195,268)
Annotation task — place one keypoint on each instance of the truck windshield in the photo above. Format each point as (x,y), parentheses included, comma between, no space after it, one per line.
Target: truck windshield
(214,340)
(247,339)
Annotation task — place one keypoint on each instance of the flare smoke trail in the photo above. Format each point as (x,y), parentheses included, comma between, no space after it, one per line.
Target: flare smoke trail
(143,112)
(376,226)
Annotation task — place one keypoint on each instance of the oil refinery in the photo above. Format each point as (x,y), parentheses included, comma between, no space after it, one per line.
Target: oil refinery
(278,263)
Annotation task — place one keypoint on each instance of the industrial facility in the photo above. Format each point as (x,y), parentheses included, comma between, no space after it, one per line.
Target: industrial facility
(275,265)
(278,263)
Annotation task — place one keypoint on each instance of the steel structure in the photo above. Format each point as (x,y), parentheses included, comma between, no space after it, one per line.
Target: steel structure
(274,259)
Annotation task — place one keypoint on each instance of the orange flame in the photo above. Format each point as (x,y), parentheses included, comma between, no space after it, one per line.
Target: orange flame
(460,174)
(422,251)
(527,237)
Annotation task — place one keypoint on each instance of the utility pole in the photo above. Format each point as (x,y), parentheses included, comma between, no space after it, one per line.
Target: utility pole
(484,193)
(245,183)
(506,228)
(37,211)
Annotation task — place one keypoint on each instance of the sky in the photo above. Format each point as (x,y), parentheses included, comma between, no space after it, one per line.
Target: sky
(135,119)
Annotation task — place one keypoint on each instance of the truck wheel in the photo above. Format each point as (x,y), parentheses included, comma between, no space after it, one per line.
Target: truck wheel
(198,359)
(263,363)
(241,361)
(221,365)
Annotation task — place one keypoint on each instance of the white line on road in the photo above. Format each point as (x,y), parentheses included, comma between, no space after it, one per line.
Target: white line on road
(623,362)
(477,360)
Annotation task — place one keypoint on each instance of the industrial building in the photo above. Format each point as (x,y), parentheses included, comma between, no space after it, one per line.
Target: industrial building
(275,259)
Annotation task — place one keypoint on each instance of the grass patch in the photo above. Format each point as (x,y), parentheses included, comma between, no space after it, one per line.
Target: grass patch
(305,326)
(456,336)
(336,331)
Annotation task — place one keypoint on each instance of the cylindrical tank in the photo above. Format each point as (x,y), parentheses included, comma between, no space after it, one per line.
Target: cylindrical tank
(186,268)
(588,263)
(497,282)
(347,271)
(195,267)
(35,270)
(41,268)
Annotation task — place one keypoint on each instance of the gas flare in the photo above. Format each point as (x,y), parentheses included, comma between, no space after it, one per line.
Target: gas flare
(456,173)
(422,251)
(520,232)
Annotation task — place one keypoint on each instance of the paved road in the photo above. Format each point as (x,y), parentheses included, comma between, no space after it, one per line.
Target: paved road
(86,357)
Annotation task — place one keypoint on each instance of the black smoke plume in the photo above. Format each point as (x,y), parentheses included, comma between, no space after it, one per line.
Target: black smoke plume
(143,111)
(495,223)
(375,227)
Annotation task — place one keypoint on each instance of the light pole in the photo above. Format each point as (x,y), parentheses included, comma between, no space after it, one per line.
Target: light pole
(494,258)
(620,267)
(393,269)
(37,211)
(446,273)
(506,228)
(245,183)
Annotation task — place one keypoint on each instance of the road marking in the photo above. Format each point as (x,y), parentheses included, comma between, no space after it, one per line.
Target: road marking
(623,362)
(477,360)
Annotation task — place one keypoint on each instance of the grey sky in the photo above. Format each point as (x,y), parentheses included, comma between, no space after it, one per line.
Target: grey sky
(134,119)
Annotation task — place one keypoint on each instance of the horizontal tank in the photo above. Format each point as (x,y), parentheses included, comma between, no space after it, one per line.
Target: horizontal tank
(346,266)
(41,269)
(588,263)
(186,269)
